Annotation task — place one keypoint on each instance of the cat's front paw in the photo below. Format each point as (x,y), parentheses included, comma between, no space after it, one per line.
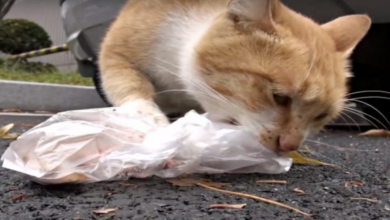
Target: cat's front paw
(147,108)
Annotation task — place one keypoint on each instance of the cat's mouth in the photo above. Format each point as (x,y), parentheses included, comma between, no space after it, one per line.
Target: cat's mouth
(278,148)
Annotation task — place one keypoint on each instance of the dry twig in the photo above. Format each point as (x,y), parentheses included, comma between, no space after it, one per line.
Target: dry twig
(297,190)
(283,182)
(104,211)
(228,206)
(127,184)
(18,197)
(25,125)
(366,199)
(356,183)
(194,182)
(256,198)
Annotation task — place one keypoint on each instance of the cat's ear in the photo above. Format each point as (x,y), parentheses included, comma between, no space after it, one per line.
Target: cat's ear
(260,13)
(347,31)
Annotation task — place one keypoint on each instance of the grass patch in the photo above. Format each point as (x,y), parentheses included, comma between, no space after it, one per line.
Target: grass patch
(73,78)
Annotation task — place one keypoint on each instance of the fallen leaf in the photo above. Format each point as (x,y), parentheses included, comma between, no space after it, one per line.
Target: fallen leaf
(4,132)
(366,199)
(127,184)
(346,184)
(109,194)
(104,211)
(299,159)
(11,136)
(297,190)
(227,206)
(283,182)
(18,197)
(194,182)
(306,149)
(25,125)
(254,197)
(43,112)
(12,110)
(76,218)
(376,133)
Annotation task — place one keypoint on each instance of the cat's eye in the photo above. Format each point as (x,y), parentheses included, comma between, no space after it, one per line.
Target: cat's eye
(282,100)
(321,116)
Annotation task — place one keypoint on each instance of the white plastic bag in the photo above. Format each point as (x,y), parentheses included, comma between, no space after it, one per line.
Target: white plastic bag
(110,143)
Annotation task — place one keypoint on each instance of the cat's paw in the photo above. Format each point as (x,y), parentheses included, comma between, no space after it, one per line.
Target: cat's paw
(147,108)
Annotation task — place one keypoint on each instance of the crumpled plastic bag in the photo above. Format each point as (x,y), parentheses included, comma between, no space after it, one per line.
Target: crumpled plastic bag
(112,143)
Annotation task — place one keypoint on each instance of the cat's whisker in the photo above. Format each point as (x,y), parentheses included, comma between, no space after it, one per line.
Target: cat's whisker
(336,147)
(343,100)
(201,84)
(185,90)
(209,95)
(332,161)
(361,114)
(342,114)
(375,109)
(310,68)
(221,96)
(171,90)
(356,112)
(368,91)
(222,109)
(227,118)
(370,97)
(197,83)
(341,149)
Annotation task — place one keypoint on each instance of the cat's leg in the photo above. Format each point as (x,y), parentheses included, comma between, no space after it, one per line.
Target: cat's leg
(148,108)
(127,87)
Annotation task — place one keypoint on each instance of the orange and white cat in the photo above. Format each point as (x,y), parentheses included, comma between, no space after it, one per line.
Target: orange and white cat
(254,63)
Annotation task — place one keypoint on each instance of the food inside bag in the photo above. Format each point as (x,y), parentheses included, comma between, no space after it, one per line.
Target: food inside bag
(112,143)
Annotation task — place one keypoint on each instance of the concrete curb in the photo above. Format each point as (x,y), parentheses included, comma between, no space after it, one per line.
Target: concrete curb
(23,118)
(30,96)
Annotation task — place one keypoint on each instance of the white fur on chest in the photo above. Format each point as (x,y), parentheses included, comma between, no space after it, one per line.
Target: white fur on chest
(171,62)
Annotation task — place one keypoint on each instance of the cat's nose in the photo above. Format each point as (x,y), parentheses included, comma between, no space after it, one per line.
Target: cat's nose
(289,143)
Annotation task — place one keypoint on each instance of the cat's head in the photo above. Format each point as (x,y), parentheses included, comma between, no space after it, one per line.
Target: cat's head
(274,71)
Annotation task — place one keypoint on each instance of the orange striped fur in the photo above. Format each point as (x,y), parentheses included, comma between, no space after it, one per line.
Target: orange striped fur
(254,63)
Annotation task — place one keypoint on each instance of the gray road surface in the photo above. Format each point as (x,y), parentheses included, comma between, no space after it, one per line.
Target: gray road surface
(362,159)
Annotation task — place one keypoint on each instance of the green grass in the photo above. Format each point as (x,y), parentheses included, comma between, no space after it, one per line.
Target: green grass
(73,78)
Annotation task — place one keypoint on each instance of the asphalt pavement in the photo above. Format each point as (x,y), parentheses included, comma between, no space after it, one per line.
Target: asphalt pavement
(363,160)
